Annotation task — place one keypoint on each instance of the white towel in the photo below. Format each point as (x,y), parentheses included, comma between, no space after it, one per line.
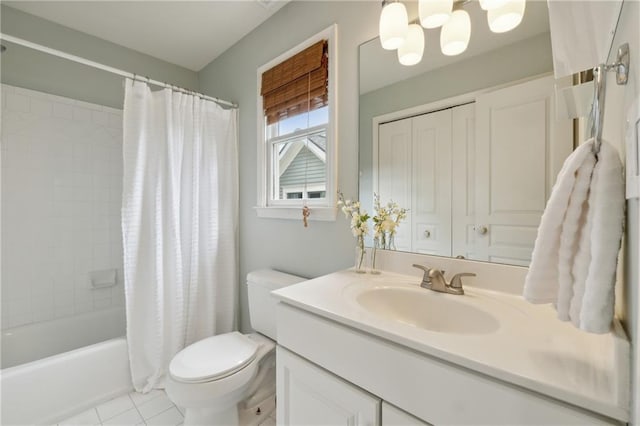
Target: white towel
(575,255)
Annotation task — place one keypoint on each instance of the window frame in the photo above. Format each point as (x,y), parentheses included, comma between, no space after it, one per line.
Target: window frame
(325,209)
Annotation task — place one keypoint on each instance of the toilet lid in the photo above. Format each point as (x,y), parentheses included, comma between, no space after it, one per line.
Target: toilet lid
(213,358)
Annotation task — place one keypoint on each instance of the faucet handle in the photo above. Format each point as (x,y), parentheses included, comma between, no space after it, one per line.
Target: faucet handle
(427,272)
(456,281)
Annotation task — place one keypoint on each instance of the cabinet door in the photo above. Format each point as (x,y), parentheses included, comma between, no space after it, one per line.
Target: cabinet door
(431,181)
(394,173)
(520,147)
(309,395)
(392,416)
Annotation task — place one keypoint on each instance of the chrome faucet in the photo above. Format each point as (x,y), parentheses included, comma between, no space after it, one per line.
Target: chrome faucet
(433,279)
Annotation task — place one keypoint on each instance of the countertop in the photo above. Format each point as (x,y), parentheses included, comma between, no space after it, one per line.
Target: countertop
(531,348)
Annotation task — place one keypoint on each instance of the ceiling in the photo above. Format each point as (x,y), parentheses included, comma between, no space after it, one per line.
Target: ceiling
(186,33)
(382,66)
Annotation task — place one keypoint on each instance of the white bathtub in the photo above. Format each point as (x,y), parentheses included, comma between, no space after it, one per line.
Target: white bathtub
(54,388)
(57,369)
(42,339)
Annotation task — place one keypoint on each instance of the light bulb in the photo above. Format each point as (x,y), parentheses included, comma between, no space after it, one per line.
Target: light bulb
(434,13)
(506,17)
(491,4)
(394,24)
(410,53)
(455,33)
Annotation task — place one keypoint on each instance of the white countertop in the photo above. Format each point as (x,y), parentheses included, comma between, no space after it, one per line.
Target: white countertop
(531,348)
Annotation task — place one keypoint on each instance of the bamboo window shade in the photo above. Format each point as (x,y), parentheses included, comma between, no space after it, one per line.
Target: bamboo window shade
(297,85)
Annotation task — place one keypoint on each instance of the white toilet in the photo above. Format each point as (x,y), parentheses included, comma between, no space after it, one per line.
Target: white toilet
(222,380)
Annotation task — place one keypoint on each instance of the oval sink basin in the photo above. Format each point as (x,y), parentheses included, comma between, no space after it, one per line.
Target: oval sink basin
(427,310)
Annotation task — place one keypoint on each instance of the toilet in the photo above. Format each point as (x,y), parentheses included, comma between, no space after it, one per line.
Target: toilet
(227,379)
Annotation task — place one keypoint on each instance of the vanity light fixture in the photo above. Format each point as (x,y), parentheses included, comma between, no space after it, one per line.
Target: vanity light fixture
(491,4)
(410,53)
(506,17)
(455,33)
(394,24)
(434,13)
(396,33)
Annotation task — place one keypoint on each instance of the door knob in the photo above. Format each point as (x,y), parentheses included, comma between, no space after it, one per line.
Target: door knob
(482,230)
(427,233)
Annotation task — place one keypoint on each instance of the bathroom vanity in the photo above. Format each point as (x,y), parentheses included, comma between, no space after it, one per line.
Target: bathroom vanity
(378,349)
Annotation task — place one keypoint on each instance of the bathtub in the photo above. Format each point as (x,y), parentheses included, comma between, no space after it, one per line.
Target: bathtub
(54,388)
(42,339)
(57,387)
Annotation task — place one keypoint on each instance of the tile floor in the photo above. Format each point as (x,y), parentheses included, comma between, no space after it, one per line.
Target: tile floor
(153,408)
(133,409)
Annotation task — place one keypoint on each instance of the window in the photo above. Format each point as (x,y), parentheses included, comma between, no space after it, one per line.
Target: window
(296,140)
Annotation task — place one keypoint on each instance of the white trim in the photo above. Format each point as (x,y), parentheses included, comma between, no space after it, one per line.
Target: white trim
(304,189)
(440,104)
(327,210)
(325,214)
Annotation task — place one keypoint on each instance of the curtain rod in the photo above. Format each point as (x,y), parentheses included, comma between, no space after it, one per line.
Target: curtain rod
(110,69)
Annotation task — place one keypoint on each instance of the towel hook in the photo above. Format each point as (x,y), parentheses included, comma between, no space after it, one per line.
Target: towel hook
(596,118)
(597,109)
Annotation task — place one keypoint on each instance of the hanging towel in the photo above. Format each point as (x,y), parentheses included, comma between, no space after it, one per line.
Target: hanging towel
(575,255)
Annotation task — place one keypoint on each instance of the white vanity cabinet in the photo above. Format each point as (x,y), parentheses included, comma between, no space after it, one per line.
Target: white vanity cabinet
(331,374)
(309,395)
(392,416)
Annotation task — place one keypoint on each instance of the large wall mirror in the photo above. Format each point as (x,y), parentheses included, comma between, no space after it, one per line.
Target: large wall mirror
(470,144)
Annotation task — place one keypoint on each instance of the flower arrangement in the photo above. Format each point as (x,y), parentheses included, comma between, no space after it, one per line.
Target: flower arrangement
(385,222)
(359,227)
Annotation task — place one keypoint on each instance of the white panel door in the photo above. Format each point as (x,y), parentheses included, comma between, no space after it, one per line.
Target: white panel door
(309,395)
(394,172)
(520,148)
(431,183)
(463,181)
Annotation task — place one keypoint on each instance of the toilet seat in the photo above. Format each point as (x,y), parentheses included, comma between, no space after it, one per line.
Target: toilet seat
(213,358)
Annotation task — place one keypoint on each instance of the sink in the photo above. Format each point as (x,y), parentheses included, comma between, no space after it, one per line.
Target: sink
(427,309)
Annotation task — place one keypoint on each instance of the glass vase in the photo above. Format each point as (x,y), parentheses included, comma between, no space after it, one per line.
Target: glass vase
(360,266)
(391,244)
(374,269)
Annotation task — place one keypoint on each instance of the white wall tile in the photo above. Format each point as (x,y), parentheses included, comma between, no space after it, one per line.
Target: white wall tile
(81,114)
(18,103)
(115,121)
(61,110)
(100,117)
(41,107)
(60,206)
(18,320)
(63,311)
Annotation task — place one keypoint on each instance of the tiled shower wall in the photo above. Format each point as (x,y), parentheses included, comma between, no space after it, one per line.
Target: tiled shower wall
(61,196)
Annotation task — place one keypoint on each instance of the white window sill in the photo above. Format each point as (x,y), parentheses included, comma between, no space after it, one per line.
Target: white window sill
(326,214)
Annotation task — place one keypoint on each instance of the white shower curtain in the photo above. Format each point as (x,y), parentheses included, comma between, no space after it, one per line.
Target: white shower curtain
(179,224)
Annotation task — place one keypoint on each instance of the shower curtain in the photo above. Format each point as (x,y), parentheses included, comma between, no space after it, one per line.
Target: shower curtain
(179,224)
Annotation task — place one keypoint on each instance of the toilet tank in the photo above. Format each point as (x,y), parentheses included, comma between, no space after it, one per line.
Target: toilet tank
(262,306)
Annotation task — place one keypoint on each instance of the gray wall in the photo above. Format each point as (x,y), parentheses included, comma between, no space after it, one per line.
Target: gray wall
(286,245)
(526,58)
(24,67)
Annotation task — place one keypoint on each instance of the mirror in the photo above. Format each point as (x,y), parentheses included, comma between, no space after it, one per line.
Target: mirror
(469,144)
